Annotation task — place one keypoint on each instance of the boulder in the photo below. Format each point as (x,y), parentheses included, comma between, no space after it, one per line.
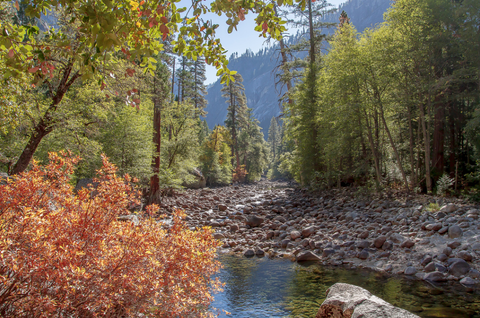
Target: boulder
(249,253)
(345,301)
(307,256)
(254,221)
(449,208)
(306,232)
(294,235)
(454,231)
(459,268)
(378,242)
(435,277)
(407,244)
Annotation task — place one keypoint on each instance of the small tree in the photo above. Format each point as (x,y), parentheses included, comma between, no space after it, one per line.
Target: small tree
(68,256)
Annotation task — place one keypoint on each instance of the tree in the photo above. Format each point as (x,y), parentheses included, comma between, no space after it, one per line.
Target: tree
(274,137)
(80,261)
(234,94)
(90,37)
(215,158)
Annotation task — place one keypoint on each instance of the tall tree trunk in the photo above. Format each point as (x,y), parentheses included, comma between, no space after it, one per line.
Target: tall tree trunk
(452,140)
(392,143)
(155,194)
(374,151)
(312,34)
(439,136)
(46,124)
(412,159)
(426,139)
(173,80)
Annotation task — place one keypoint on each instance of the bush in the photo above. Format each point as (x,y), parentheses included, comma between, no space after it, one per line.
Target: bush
(67,256)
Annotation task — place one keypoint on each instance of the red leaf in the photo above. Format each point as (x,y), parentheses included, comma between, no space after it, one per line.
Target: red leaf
(102,87)
(130,72)
(136,101)
(17,6)
(11,53)
(241,14)
(164,19)
(33,69)
(264,27)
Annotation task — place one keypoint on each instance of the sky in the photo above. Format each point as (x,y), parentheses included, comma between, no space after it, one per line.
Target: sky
(239,41)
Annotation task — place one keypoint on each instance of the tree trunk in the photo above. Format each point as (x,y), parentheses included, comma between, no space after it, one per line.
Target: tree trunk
(392,143)
(374,152)
(412,159)
(426,139)
(312,35)
(155,194)
(439,136)
(46,124)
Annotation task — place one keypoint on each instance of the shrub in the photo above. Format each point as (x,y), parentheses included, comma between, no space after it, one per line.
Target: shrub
(67,256)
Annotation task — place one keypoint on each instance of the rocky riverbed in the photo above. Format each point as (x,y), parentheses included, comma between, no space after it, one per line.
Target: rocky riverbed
(393,232)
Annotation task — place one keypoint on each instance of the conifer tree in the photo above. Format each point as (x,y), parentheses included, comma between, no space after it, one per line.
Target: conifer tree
(234,93)
(199,89)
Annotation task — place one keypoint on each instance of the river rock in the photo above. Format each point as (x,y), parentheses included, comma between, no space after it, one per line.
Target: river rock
(345,300)
(306,232)
(454,231)
(410,270)
(378,242)
(249,253)
(407,244)
(449,208)
(363,255)
(467,281)
(464,255)
(307,256)
(434,277)
(254,221)
(222,207)
(294,235)
(459,267)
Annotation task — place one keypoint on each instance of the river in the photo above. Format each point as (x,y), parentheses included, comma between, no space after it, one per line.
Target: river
(261,287)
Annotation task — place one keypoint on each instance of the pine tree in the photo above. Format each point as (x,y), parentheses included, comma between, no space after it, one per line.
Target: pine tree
(274,138)
(199,89)
(234,93)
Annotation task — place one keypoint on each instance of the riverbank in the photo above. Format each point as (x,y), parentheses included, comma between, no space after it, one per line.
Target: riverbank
(393,232)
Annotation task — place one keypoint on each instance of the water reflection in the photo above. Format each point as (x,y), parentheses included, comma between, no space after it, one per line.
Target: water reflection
(260,287)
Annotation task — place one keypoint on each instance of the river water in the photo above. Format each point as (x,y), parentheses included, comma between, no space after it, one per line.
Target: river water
(261,287)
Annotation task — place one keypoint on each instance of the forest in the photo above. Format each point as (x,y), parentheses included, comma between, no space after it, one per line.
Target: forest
(114,93)
(394,106)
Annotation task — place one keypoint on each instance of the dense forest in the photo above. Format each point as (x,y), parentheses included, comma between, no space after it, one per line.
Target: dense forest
(394,105)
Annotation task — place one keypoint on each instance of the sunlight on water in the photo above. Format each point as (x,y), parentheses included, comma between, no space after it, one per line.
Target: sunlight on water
(260,287)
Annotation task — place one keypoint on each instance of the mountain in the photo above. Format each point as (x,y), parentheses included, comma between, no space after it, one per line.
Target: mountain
(257,69)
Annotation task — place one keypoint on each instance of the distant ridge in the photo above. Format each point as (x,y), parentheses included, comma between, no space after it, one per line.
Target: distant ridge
(257,68)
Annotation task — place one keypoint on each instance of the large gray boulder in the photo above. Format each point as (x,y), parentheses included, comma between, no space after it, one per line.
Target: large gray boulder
(350,301)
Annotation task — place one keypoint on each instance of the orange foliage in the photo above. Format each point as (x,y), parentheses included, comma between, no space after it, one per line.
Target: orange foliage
(239,174)
(66,255)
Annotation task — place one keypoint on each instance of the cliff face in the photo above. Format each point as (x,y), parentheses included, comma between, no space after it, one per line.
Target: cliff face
(257,69)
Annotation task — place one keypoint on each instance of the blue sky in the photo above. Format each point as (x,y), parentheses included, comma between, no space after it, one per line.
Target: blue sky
(239,41)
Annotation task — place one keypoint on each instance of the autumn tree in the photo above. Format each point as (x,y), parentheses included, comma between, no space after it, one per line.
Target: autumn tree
(80,261)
